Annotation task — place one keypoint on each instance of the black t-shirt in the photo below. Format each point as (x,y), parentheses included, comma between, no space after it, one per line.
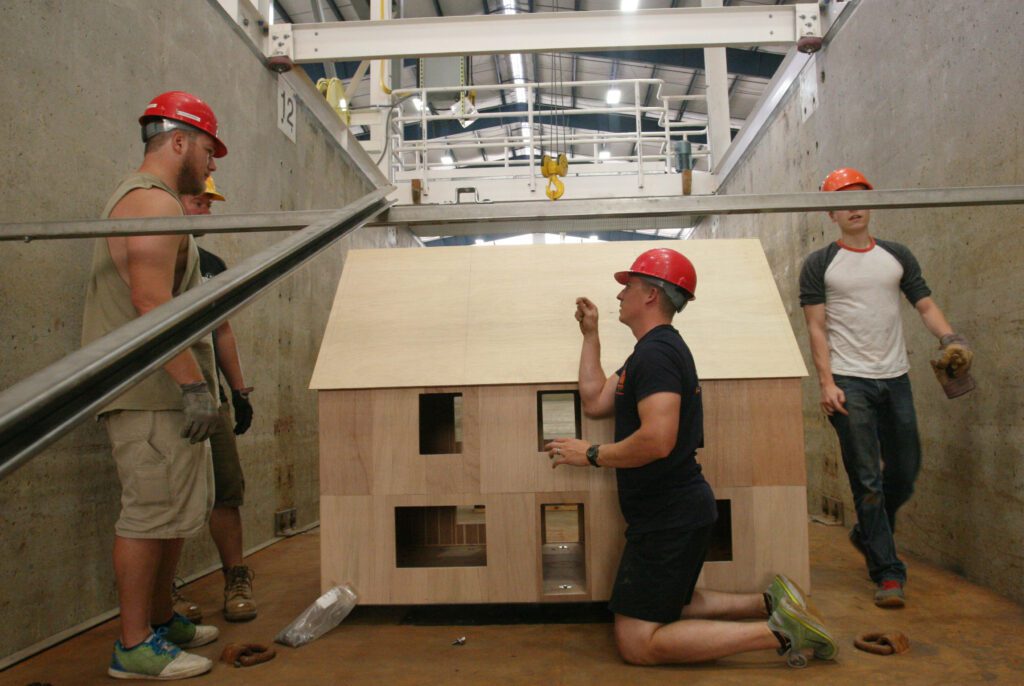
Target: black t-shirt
(210,266)
(669,492)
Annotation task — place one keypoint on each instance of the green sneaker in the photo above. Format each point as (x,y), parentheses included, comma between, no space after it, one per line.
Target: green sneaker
(803,631)
(783,587)
(156,658)
(185,634)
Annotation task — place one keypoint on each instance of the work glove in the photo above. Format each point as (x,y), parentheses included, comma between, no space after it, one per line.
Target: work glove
(956,355)
(201,414)
(952,368)
(243,409)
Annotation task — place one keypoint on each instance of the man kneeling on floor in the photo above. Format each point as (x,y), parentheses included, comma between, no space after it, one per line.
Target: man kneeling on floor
(660,617)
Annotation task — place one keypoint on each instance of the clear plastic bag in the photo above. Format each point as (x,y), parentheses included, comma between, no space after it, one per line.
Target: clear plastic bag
(323,615)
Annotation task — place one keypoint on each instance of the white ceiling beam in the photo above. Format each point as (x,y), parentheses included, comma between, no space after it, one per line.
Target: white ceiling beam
(693,27)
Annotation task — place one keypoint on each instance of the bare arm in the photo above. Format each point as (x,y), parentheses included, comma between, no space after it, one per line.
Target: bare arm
(597,391)
(150,262)
(933,318)
(832,397)
(654,440)
(227,356)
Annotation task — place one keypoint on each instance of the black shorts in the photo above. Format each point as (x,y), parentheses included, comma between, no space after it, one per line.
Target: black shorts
(658,572)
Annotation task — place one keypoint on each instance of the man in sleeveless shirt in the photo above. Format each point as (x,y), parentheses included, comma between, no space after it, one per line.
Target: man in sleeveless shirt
(159,428)
(669,508)
(850,294)
(228,479)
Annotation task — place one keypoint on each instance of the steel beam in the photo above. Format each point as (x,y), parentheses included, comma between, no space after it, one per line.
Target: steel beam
(692,27)
(435,220)
(37,411)
(667,211)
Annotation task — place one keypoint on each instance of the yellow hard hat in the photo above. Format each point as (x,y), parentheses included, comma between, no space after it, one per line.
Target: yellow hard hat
(211,189)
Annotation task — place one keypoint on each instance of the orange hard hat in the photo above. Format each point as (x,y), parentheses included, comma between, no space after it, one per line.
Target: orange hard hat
(184,108)
(666,265)
(843,178)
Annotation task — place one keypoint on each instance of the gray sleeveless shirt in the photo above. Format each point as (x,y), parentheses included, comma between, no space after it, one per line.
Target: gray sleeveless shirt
(108,306)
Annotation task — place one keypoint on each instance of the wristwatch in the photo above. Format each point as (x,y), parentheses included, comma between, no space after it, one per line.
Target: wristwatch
(592,454)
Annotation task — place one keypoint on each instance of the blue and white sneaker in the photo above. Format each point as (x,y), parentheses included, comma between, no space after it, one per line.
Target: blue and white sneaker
(156,658)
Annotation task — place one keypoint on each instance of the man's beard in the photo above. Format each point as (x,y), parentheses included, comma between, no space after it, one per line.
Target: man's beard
(190,183)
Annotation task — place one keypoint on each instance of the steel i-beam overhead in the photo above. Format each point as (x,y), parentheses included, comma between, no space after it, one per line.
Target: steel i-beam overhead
(692,27)
(461,219)
(37,411)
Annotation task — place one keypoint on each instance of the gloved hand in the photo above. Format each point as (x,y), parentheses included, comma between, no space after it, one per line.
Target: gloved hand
(243,409)
(952,369)
(956,355)
(201,415)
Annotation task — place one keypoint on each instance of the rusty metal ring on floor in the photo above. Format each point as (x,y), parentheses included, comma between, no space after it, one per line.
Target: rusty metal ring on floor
(879,643)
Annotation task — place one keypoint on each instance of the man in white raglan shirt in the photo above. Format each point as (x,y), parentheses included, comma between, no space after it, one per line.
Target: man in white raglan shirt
(850,294)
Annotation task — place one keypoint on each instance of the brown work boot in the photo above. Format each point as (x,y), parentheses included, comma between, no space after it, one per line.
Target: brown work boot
(183,606)
(238,603)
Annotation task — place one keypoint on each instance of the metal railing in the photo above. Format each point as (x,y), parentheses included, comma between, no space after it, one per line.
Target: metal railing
(37,411)
(411,158)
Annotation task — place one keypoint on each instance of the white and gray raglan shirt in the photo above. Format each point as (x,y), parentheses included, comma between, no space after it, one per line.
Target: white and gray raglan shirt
(861,293)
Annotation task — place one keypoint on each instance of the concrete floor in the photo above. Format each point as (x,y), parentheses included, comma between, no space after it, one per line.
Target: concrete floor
(959,633)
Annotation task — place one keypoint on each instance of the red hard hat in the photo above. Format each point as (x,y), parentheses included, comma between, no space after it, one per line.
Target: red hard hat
(665,264)
(844,178)
(188,109)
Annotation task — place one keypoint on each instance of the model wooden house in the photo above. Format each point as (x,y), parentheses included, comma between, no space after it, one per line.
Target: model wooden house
(441,374)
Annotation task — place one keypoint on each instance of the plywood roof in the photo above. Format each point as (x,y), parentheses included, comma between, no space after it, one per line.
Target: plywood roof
(482,315)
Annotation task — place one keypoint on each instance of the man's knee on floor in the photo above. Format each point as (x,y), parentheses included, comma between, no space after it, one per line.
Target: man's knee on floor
(635,641)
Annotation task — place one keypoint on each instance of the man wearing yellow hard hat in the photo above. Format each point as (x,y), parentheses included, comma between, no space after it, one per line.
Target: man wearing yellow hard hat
(229,482)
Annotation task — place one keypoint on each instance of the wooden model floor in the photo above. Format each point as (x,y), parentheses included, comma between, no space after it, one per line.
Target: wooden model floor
(960,633)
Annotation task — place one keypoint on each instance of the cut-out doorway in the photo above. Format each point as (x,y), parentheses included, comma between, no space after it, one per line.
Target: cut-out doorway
(440,423)
(558,416)
(563,549)
(720,547)
(441,536)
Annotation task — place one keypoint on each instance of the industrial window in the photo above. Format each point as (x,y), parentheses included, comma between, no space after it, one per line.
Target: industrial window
(720,548)
(563,549)
(440,423)
(558,416)
(445,536)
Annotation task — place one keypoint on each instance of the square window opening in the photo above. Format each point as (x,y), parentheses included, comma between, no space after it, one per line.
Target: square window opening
(441,536)
(558,416)
(440,423)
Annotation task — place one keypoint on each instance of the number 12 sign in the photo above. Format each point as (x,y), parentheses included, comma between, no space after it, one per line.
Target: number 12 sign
(286,106)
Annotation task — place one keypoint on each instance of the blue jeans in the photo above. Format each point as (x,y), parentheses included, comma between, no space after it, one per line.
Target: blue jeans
(882,455)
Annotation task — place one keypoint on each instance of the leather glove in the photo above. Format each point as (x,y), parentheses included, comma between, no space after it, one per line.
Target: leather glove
(201,414)
(956,355)
(243,409)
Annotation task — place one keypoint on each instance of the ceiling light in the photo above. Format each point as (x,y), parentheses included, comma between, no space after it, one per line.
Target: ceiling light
(447,159)
(613,97)
(604,154)
(629,5)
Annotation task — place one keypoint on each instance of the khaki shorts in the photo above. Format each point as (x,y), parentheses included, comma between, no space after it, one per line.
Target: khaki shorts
(229,482)
(166,482)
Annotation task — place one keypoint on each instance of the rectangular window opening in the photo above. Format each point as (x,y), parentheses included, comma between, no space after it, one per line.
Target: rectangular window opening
(443,536)
(563,549)
(720,548)
(558,416)
(440,423)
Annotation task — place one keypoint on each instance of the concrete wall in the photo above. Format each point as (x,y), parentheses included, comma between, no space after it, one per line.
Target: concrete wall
(920,94)
(77,75)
